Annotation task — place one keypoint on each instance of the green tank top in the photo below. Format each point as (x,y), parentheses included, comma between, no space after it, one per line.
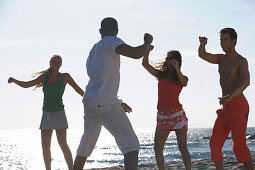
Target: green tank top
(52,101)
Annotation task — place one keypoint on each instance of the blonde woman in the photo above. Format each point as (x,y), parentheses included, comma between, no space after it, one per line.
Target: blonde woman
(53,84)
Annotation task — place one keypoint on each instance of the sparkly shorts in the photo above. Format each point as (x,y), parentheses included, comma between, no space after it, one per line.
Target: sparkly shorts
(173,119)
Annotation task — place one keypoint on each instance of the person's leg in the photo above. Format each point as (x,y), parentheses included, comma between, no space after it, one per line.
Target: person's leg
(86,146)
(159,142)
(61,136)
(46,142)
(131,160)
(249,165)
(92,129)
(218,165)
(238,125)
(79,162)
(217,140)
(181,135)
(115,120)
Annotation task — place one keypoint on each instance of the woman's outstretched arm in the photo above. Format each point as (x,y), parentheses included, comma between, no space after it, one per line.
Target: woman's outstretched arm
(27,84)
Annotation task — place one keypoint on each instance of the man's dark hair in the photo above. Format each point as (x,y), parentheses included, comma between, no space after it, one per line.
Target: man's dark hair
(230,31)
(109,26)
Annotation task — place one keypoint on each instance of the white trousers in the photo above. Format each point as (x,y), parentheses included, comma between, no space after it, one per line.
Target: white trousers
(115,120)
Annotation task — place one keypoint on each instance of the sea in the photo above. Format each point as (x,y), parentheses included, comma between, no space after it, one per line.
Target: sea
(21,149)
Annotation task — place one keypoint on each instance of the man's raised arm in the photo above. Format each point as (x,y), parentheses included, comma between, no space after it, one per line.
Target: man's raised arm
(211,58)
(136,52)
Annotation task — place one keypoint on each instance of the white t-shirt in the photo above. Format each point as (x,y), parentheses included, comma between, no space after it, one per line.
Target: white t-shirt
(103,69)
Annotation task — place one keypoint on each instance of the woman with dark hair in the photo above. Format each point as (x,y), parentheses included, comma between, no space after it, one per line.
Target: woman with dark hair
(170,116)
(53,85)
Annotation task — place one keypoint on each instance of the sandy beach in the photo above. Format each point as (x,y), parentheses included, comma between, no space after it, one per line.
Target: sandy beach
(229,164)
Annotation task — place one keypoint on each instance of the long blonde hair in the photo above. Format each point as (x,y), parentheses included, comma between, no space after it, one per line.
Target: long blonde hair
(44,72)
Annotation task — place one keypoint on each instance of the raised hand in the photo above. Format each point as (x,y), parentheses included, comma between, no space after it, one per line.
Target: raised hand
(203,40)
(148,38)
(175,63)
(11,80)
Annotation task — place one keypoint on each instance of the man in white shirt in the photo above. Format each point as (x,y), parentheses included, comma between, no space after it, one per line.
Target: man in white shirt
(101,105)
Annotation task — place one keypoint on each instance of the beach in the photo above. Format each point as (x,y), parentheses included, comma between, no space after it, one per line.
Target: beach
(21,149)
(229,164)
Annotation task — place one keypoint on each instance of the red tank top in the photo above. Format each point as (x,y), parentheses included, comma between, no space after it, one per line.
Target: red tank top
(168,94)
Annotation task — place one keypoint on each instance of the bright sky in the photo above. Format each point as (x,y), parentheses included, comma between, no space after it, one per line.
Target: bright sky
(31,31)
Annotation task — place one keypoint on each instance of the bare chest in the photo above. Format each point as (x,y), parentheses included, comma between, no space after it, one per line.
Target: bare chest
(228,69)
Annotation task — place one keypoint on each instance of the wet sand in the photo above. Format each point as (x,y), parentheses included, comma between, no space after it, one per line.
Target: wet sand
(229,164)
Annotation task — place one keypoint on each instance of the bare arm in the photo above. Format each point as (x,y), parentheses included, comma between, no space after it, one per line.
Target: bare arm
(211,58)
(148,67)
(183,79)
(244,78)
(72,83)
(27,84)
(136,52)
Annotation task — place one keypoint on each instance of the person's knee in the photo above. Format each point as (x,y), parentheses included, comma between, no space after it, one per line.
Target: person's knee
(45,145)
(239,143)
(212,139)
(62,143)
(215,146)
(215,149)
(85,149)
(129,149)
(158,148)
(182,147)
(45,149)
(241,150)
(213,142)
(130,144)
(182,144)
(238,147)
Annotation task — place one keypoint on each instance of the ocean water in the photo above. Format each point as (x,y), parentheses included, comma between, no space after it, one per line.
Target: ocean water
(21,149)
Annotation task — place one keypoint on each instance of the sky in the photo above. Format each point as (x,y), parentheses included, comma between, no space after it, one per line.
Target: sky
(31,31)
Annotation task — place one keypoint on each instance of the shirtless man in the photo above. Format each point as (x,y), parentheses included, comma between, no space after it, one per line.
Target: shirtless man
(233,116)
